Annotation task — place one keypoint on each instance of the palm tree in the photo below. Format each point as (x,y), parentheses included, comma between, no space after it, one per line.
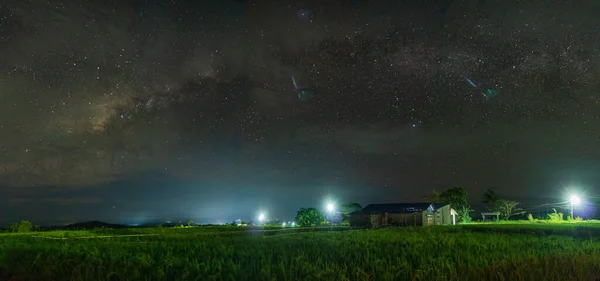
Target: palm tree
(489,197)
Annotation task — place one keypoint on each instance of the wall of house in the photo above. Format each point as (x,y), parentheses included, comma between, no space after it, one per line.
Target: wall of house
(415,219)
(425,218)
(443,216)
(360,220)
(438,217)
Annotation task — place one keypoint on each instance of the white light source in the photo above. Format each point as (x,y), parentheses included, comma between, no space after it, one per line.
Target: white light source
(575,200)
(330,207)
(283,224)
(293,224)
(261,217)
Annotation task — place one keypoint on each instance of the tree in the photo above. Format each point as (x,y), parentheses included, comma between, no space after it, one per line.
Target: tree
(25,226)
(309,217)
(22,226)
(507,208)
(432,197)
(349,208)
(190,222)
(457,198)
(490,198)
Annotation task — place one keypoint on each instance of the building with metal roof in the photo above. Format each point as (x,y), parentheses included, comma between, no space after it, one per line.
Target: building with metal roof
(403,214)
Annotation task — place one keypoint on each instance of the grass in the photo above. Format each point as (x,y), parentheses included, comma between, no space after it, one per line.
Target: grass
(470,252)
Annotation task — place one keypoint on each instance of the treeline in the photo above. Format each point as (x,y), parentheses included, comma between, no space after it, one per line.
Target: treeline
(457,198)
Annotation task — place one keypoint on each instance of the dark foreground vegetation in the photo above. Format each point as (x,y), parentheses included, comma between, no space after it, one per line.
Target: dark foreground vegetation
(469,252)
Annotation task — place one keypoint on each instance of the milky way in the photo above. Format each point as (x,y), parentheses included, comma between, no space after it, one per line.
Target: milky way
(94,93)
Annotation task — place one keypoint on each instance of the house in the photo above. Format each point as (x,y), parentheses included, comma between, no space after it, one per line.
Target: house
(403,214)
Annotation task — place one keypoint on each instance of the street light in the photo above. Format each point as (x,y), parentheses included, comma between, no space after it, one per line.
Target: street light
(261,217)
(330,211)
(575,200)
(330,207)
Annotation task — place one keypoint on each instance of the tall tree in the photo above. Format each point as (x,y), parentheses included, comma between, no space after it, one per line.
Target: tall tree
(457,198)
(309,217)
(349,208)
(489,197)
(507,208)
(432,197)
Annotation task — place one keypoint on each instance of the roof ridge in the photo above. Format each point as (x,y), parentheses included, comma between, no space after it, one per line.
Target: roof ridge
(400,207)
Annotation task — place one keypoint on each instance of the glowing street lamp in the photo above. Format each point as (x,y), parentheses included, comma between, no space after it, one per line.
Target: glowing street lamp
(330,207)
(261,217)
(574,200)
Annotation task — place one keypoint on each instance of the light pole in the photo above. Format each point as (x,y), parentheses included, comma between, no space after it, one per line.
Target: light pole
(330,210)
(574,200)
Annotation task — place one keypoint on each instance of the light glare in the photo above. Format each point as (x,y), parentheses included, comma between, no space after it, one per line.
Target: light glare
(330,207)
(575,200)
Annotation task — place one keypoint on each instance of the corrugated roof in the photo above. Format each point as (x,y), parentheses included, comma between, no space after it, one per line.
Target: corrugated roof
(398,208)
(439,205)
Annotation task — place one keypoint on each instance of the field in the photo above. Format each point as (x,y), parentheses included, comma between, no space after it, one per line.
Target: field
(470,252)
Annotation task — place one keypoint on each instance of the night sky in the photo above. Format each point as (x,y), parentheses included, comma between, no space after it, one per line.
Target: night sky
(126,111)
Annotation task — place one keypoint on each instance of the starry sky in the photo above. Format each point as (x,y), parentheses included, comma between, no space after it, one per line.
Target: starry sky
(136,110)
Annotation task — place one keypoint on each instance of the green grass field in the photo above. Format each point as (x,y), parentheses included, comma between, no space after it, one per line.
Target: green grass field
(470,252)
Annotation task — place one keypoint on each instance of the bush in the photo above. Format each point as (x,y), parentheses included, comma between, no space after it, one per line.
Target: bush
(530,218)
(555,217)
(466,219)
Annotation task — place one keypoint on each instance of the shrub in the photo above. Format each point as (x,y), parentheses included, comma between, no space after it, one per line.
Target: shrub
(555,217)
(466,219)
